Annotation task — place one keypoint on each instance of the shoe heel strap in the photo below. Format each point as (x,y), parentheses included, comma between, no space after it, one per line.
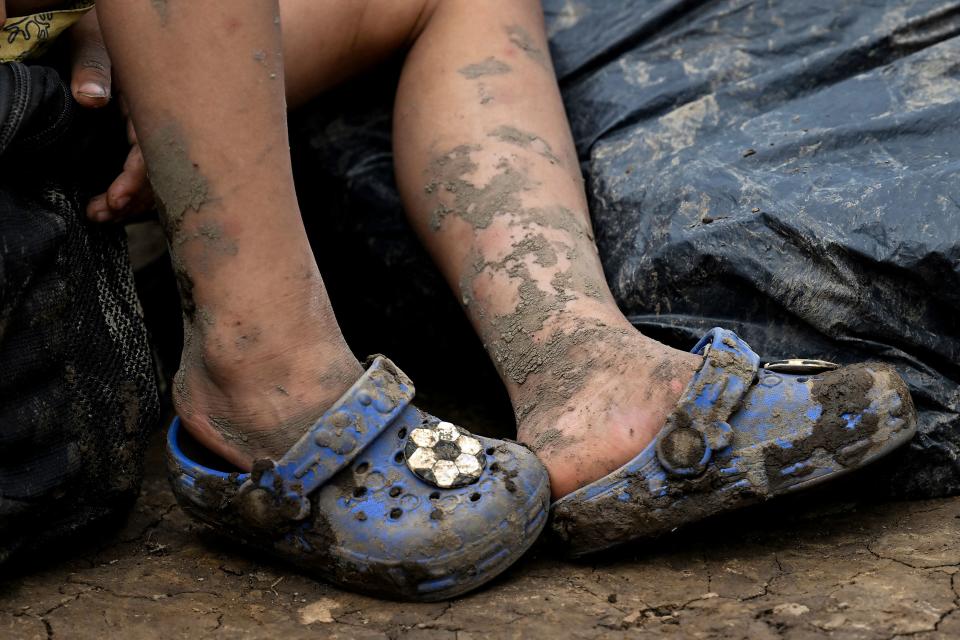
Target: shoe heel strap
(340,435)
(697,427)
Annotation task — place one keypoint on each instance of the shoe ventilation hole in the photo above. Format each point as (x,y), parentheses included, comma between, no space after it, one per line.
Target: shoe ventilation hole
(395,491)
(359,492)
(362,467)
(435,495)
(402,434)
(495,467)
(395,514)
(398,457)
(474,497)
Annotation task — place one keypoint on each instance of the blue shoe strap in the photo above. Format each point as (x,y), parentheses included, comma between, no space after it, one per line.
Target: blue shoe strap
(339,436)
(698,427)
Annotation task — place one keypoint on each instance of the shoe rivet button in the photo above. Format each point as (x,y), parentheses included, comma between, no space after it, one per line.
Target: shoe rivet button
(364,398)
(683,451)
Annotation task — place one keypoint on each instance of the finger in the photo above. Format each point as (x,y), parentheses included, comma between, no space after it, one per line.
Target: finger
(130,182)
(130,193)
(90,78)
(98,210)
(128,196)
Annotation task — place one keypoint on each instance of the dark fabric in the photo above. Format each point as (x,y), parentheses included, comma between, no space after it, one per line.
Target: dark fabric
(77,390)
(784,169)
(35,112)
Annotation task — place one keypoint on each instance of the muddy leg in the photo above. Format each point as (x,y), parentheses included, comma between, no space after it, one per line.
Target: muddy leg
(490,178)
(263,354)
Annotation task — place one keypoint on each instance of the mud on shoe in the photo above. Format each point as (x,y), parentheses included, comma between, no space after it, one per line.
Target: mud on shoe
(378,497)
(741,434)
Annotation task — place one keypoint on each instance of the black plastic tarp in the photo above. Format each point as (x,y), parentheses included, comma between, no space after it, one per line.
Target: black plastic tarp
(785,169)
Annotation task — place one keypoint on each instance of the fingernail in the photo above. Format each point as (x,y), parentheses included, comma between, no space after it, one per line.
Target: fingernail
(121,202)
(92,90)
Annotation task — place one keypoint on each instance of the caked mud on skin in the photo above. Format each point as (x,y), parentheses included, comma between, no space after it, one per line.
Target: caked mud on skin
(525,140)
(179,187)
(522,39)
(529,340)
(160,6)
(199,239)
(489,67)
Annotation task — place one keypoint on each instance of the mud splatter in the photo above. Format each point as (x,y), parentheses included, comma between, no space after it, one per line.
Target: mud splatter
(522,39)
(485,96)
(476,205)
(552,439)
(179,187)
(489,67)
(176,179)
(557,217)
(535,245)
(516,339)
(841,394)
(211,233)
(525,140)
(160,6)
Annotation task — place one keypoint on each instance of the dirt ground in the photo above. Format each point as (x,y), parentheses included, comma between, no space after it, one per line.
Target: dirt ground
(814,566)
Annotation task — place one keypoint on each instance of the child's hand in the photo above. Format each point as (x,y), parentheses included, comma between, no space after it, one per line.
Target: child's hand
(130,193)
(91,85)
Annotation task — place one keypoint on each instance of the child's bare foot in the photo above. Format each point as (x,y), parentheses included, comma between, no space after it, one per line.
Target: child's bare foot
(250,387)
(599,401)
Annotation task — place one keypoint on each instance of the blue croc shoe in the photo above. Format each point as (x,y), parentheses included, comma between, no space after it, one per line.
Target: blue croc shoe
(741,434)
(378,497)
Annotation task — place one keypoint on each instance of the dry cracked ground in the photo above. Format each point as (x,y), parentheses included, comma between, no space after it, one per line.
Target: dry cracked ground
(816,566)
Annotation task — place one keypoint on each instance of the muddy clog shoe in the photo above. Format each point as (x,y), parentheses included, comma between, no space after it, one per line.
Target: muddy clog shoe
(741,434)
(378,496)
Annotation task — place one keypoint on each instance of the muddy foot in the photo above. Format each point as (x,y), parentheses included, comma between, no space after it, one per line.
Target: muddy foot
(244,395)
(620,388)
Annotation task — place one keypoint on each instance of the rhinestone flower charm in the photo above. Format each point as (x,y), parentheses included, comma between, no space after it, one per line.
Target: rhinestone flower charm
(445,455)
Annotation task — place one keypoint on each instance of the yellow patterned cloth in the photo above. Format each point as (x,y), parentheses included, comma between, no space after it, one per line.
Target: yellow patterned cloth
(27,36)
